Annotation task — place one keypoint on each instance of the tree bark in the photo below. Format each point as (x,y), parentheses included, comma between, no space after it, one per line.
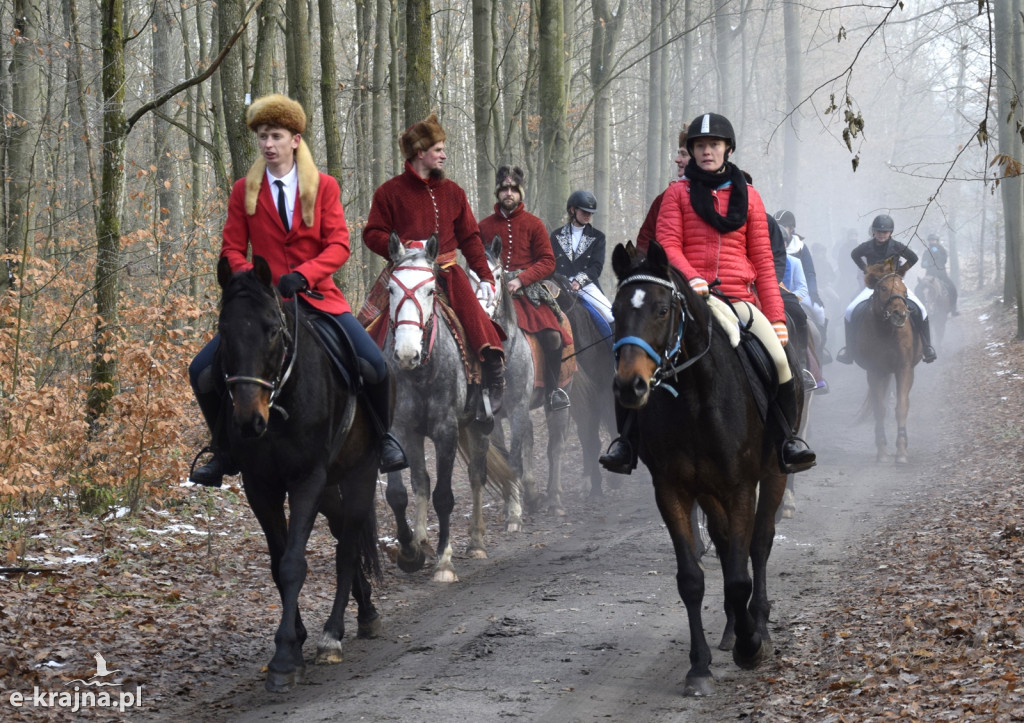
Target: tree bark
(484,102)
(418,64)
(300,63)
(168,212)
(554,137)
(794,73)
(234,88)
(657,99)
(604,36)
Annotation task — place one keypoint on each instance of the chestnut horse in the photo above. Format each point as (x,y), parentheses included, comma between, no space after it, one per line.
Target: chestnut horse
(886,347)
(704,441)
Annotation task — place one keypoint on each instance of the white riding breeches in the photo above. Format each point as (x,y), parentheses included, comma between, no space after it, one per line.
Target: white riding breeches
(598,300)
(865,294)
(764,331)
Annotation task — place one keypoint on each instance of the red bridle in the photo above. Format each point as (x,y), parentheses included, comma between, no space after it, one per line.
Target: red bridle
(409,294)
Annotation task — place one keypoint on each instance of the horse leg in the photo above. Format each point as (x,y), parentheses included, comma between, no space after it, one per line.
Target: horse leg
(749,649)
(444,503)
(519,421)
(904,381)
(878,387)
(590,444)
(411,555)
(558,426)
(689,582)
(287,666)
(772,491)
(477,473)
(531,498)
(788,506)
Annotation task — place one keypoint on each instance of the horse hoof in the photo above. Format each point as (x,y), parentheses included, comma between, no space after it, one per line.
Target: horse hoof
(412,563)
(728,641)
(476,553)
(749,662)
(557,511)
(445,576)
(369,629)
(596,493)
(329,652)
(902,459)
(699,686)
(514,527)
(278,682)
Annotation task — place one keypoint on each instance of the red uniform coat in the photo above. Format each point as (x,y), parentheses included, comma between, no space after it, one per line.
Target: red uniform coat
(414,208)
(740,258)
(315,251)
(525,247)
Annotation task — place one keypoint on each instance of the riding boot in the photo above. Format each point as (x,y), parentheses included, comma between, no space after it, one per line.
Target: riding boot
(493,369)
(555,396)
(794,454)
(211,474)
(378,398)
(928,351)
(621,456)
(845,355)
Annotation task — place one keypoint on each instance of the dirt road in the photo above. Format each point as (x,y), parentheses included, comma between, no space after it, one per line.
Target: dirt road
(578,619)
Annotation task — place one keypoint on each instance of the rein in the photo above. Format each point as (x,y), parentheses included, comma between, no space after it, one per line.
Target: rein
(409,294)
(892,295)
(284,372)
(667,365)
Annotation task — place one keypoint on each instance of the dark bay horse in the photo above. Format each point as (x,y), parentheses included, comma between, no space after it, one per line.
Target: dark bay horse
(593,407)
(432,394)
(297,432)
(887,348)
(704,441)
(521,396)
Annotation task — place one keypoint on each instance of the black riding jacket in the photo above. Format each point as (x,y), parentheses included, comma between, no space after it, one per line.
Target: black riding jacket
(870,253)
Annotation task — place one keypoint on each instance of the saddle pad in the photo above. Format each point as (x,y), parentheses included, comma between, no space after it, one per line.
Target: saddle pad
(339,349)
(568,358)
(602,326)
(760,371)
(469,361)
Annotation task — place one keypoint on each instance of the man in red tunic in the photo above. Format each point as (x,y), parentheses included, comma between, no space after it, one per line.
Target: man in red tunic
(289,213)
(421,202)
(526,252)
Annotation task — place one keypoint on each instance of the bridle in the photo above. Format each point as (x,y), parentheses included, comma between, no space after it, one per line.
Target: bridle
(886,313)
(409,294)
(670,364)
(284,371)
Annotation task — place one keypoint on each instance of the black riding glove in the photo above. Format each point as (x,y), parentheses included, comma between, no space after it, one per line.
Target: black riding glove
(291,284)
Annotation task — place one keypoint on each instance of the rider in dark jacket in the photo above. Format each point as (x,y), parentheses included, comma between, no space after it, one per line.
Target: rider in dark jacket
(934,264)
(878,249)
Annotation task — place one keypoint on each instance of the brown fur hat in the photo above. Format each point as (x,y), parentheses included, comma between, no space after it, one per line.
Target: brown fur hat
(278,111)
(421,135)
(509,177)
(682,138)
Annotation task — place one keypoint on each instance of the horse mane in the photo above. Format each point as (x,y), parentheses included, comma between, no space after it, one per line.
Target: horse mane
(874,273)
(245,285)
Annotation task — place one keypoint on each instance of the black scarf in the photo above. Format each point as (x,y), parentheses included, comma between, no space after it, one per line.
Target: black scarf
(702,183)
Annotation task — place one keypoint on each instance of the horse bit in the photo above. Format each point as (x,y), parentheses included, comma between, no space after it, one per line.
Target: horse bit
(666,368)
(892,295)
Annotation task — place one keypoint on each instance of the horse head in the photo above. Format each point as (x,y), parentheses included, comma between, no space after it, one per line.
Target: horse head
(650,310)
(411,306)
(493,252)
(254,343)
(889,298)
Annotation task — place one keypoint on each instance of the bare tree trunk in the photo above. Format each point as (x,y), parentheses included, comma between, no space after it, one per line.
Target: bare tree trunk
(484,101)
(268,40)
(103,379)
(168,212)
(26,107)
(85,166)
(656,99)
(418,64)
(300,63)
(233,84)
(378,169)
(396,34)
(794,72)
(328,88)
(554,137)
(604,36)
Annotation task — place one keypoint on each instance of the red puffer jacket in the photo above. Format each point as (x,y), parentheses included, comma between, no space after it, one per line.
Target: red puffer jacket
(742,259)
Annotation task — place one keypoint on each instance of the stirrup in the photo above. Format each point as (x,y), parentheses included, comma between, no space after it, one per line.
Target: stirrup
(619,457)
(558,399)
(809,458)
(213,472)
(392,456)
(844,356)
(928,354)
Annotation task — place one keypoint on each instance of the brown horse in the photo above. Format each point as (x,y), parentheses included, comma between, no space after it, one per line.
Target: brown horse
(704,442)
(886,347)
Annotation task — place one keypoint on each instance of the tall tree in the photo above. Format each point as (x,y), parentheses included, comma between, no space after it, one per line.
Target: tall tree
(26,107)
(657,102)
(418,63)
(604,36)
(484,100)
(300,62)
(234,88)
(168,210)
(794,73)
(328,90)
(554,137)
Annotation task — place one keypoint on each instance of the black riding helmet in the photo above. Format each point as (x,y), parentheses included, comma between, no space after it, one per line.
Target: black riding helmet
(583,200)
(882,222)
(710,125)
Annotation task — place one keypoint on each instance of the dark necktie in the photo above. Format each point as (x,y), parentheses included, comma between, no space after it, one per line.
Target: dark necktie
(282,209)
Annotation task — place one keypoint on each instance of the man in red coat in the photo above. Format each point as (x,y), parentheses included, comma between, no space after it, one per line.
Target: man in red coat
(526,251)
(421,202)
(289,213)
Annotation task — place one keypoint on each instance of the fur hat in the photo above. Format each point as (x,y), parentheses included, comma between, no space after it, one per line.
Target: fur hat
(421,135)
(278,111)
(509,177)
(682,138)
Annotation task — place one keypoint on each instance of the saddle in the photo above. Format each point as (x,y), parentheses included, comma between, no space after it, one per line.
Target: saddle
(757,363)
(335,342)
(569,365)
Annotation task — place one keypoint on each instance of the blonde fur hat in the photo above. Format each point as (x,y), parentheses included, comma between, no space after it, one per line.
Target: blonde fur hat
(421,135)
(278,111)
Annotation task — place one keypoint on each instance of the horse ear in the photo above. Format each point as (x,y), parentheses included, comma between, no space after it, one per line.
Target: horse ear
(261,270)
(656,256)
(395,248)
(431,247)
(223,272)
(494,250)
(622,261)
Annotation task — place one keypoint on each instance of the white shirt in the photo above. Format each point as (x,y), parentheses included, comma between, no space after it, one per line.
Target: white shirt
(577,238)
(291,187)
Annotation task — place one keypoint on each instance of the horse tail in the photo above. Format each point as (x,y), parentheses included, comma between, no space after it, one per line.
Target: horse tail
(368,548)
(500,476)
